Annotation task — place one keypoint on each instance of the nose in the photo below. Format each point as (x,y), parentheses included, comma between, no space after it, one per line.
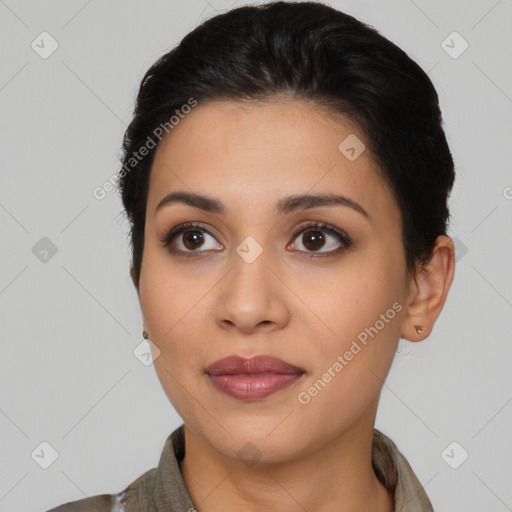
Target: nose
(251,298)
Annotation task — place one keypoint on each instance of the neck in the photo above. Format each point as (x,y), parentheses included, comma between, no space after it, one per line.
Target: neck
(336,477)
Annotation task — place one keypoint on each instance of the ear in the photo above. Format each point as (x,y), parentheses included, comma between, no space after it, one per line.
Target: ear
(429,289)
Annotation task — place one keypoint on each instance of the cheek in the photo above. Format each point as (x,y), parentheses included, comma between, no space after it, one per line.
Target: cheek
(362,308)
(362,343)
(352,295)
(351,365)
(173,305)
(165,295)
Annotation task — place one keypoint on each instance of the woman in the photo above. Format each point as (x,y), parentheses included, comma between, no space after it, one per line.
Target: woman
(286,177)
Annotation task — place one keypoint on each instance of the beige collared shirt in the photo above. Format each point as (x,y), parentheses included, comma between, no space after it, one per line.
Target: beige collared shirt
(163,489)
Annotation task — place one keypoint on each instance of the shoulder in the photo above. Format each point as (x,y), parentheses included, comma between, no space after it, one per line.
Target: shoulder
(162,486)
(137,497)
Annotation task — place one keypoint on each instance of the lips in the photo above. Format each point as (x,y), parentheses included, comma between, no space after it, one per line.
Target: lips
(254,378)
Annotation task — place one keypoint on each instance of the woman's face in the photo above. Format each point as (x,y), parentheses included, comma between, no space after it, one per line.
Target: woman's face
(271,270)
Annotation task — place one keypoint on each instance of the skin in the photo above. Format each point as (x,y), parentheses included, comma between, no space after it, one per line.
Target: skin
(199,309)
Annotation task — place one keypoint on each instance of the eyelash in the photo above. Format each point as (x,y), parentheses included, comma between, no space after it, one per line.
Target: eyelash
(342,237)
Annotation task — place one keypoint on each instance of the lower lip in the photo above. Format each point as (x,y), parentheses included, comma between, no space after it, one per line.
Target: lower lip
(253,387)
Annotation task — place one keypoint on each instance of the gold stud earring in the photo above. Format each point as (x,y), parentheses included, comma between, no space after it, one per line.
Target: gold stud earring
(419,329)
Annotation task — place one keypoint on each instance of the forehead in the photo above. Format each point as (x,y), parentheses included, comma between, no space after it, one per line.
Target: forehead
(258,152)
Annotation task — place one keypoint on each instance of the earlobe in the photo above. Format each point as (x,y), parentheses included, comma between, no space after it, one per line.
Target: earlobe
(429,289)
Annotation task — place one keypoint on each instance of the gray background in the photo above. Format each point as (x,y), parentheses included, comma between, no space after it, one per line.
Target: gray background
(70,323)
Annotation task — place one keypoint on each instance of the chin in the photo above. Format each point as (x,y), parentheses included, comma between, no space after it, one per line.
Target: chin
(256,438)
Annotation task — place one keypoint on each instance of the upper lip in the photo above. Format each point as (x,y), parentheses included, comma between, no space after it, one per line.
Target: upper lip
(236,365)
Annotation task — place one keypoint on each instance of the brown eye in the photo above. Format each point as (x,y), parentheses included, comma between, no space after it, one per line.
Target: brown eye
(193,239)
(313,240)
(322,239)
(190,238)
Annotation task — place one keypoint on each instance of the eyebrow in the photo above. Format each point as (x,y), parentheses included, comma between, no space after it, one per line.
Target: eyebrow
(283,206)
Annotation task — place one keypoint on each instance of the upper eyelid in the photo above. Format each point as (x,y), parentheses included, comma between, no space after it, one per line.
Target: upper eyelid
(321,226)
(180,228)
